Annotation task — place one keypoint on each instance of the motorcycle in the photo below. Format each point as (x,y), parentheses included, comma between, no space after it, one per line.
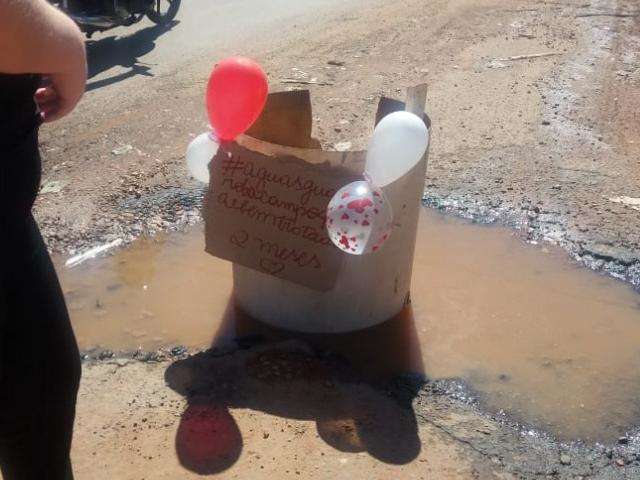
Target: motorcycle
(100,15)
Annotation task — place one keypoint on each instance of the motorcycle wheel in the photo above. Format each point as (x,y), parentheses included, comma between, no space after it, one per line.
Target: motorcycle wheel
(162,12)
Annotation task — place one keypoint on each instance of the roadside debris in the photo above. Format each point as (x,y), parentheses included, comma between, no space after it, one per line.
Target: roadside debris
(628,201)
(52,186)
(497,64)
(608,14)
(313,81)
(122,150)
(527,57)
(92,253)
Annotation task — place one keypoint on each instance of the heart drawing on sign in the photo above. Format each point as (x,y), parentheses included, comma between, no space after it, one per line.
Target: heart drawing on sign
(271,266)
(239,239)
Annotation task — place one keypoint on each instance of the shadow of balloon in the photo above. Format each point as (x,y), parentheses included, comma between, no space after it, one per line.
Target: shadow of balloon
(358,389)
(208,439)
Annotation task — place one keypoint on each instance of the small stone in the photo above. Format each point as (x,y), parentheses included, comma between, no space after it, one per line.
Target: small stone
(565,459)
(620,462)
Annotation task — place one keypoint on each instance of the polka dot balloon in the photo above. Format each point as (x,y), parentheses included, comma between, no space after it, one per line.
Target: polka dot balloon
(359,218)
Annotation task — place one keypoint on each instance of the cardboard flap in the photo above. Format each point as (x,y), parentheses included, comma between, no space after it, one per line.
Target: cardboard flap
(416,99)
(287,119)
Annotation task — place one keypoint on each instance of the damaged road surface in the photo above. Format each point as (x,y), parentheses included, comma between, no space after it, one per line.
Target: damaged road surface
(516,348)
(285,411)
(277,412)
(534,109)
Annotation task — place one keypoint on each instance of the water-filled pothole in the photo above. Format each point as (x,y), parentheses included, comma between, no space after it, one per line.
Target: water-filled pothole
(550,343)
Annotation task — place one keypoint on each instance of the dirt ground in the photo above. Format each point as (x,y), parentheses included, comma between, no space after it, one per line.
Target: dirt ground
(543,144)
(548,145)
(327,428)
(284,410)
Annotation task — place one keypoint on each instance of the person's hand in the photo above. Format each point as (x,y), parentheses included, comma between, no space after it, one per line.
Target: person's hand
(63,85)
(60,93)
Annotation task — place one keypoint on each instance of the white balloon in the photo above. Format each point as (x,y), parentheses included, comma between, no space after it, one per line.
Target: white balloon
(199,154)
(398,143)
(359,218)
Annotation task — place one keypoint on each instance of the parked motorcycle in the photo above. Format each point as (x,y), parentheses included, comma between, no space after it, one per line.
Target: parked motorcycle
(100,15)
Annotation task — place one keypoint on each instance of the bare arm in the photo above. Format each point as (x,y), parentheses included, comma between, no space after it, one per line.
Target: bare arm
(35,37)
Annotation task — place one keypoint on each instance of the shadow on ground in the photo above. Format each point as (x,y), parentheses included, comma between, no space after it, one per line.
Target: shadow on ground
(113,51)
(341,382)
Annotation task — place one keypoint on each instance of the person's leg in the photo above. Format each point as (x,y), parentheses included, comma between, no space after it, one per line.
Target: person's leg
(40,366)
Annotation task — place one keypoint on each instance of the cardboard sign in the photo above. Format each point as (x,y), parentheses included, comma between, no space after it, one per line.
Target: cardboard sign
(269,191)
(268,213)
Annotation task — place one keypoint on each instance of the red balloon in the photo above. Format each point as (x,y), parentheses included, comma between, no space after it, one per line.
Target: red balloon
(236,94)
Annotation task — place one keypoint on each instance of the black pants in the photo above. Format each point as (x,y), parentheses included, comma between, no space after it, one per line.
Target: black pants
(39,360)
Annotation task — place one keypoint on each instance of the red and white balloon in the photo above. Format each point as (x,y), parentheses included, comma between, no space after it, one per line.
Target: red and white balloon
(236,94)
(359,218)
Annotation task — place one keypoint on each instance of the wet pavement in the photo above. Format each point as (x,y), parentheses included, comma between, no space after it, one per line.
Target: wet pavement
(534,337)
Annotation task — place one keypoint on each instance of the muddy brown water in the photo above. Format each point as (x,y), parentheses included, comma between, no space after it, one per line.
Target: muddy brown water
(547,342)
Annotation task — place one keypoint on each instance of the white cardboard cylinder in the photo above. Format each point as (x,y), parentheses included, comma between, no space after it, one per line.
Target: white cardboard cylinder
(369,289)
